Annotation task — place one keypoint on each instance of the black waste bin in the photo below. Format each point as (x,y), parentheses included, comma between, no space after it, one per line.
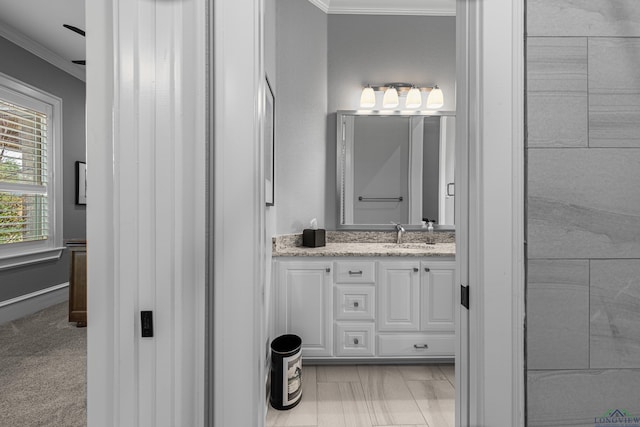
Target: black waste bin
(286,371)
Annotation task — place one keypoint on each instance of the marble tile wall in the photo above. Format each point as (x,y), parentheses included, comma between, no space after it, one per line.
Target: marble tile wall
(583,210)
(558,290)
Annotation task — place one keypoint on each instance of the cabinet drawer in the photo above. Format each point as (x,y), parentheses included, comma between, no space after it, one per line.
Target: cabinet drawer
(354,339)
(416,345)
(355,272)
(355,302)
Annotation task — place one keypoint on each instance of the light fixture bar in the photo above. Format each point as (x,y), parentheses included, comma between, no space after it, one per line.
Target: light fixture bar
(393,90)
(402,88)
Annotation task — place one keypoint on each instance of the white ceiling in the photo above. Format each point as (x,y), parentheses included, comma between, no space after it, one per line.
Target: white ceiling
(37,26)
(388,7)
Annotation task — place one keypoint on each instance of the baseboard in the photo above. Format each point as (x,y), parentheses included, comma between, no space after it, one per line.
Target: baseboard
(25,305)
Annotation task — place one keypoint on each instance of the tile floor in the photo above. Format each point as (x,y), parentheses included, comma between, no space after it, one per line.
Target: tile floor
(372,395)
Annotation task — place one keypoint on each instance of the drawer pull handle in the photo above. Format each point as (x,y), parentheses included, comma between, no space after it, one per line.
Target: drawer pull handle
(356,304)
(416,269)
(355,273)
(356,341)
(427,269)
(420,346)
(328,270)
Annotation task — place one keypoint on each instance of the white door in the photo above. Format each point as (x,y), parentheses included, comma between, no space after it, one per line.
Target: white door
(146,141)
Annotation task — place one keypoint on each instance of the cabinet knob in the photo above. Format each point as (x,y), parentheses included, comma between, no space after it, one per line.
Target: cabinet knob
(355,273)
(356,304)
(420,346)
(427,269)
(328,269)
(356,341)
(416,269)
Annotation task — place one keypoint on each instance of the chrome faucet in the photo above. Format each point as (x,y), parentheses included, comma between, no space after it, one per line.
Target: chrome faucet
(400,229)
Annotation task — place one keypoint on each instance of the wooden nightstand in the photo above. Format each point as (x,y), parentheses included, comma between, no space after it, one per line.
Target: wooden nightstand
(78,282)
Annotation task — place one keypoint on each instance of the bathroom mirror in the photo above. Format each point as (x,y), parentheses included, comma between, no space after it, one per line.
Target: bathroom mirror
(395,167)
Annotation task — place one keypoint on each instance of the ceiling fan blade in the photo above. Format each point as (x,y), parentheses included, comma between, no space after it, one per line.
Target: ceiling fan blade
(80,62)
(74,29)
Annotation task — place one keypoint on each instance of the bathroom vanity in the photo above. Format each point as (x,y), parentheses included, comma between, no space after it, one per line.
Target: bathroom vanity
(367,300)
(365,295)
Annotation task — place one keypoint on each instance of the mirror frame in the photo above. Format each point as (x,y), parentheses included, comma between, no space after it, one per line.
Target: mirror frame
(339,167)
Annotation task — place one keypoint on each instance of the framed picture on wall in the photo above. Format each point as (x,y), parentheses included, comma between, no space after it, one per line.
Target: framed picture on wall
(81,183)
(269,145)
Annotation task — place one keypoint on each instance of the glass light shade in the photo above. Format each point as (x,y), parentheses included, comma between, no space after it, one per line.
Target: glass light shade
(368,98)
(414,98)
(435,99)
(390,99)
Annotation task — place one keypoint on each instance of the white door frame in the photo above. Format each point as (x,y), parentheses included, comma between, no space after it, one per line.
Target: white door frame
(491,126)
(146,141)
(134,195)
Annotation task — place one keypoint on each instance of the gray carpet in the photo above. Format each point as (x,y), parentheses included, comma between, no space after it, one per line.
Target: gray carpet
(43,363)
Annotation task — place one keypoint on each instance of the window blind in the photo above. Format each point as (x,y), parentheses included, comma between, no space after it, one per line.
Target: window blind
(23,174)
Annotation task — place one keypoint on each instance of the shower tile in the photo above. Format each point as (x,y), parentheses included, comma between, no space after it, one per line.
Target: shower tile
(557,64)
(557,102)
(614,92)
(558,314)
(615,314)
(577,397)
(583,18)
(583,203)
(557,120)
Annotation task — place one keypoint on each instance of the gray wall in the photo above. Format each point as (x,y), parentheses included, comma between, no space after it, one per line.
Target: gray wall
(380,49)
(322,62)
(583,213)
(28,68)
(301,107)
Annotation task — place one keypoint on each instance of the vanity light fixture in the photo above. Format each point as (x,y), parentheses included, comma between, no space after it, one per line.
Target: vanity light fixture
(436,98)
(390,99)
(368,97)
(414,98)
(392,92)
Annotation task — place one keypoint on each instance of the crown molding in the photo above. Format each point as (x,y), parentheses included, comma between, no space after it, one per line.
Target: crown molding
(41,52)
(391,7)
(391,11)
(323,5)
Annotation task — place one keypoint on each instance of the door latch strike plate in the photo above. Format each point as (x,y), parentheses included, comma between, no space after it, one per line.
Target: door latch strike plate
(146,324)
(464,296)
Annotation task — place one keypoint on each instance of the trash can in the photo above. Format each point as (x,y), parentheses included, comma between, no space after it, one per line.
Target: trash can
(286,371)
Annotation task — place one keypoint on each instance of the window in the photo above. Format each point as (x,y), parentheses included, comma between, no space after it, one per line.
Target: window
(30,182)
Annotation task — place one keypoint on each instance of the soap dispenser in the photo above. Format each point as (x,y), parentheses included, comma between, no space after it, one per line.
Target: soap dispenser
(430,226)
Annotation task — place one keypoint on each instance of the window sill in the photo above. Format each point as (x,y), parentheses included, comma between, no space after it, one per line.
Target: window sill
(22,259)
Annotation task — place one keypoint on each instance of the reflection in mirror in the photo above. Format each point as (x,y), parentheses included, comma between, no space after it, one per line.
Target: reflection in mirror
(395,168)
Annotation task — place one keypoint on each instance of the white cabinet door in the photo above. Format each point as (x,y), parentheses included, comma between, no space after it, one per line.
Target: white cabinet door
(438,296)
(305,305)
(399,296)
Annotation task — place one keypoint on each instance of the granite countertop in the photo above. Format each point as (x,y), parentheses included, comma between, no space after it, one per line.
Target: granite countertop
(370,244)
(371,249)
